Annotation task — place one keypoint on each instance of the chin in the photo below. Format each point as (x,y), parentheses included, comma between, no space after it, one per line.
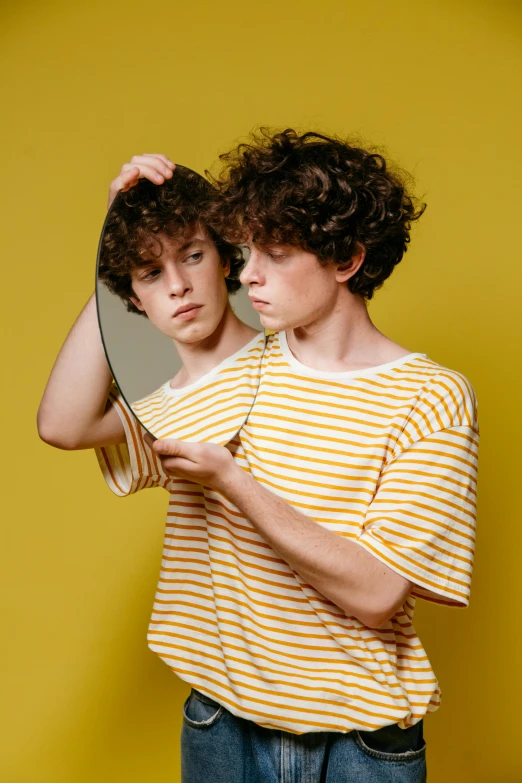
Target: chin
(195,335)
(273,323)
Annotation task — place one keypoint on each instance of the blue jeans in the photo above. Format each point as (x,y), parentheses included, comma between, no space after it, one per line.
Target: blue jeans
(217,747)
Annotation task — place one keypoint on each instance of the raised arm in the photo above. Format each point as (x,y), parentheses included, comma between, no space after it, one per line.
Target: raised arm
(73,413)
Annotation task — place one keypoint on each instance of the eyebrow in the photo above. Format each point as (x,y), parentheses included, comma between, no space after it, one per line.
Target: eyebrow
(146,261)
(193,242)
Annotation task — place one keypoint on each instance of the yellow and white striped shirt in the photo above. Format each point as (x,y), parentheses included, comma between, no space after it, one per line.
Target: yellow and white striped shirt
(385,456)
(212,408)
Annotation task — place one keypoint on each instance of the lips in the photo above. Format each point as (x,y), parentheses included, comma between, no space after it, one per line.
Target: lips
(186,308)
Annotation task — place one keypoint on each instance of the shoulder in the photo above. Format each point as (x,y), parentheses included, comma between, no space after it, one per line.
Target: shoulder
(150,399)
(445,398)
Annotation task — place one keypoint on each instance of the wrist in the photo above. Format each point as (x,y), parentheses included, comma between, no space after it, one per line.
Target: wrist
(231,479)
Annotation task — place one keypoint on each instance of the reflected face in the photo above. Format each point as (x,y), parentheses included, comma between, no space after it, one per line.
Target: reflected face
(183,292)
(289,288)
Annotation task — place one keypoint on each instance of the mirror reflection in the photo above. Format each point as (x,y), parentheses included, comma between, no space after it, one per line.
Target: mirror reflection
(182,340)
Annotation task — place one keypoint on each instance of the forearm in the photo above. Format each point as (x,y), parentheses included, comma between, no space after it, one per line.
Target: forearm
(73,405)
(337,567)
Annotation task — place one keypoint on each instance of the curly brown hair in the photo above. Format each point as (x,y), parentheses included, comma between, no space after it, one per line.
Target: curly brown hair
(139,215)
(321,193)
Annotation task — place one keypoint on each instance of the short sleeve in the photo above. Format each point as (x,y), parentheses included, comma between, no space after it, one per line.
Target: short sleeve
(131,466)
(421,521)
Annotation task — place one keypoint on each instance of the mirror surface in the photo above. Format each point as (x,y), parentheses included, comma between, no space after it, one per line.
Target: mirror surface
(182,340)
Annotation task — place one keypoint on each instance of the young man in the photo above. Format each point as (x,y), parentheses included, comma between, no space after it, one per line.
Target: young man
(294,555)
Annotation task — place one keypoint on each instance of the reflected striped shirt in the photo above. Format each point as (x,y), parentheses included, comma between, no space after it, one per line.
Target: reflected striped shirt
(212,408)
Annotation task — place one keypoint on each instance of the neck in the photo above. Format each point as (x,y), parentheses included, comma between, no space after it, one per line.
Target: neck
(201,357)
(343,339)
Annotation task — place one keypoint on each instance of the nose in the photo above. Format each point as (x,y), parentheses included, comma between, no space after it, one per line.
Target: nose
(177,282)
(252,273)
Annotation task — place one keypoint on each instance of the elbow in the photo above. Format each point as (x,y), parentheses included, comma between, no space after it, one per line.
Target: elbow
(54,437)
(373,619)
(57,440)
(377,617)
(381,615)
(377,621)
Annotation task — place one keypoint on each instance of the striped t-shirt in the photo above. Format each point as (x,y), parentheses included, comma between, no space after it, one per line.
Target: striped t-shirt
(385,456)
(214,407)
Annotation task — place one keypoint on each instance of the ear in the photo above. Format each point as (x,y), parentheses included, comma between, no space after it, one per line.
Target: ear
(136,302)
(226,267)
(347,269)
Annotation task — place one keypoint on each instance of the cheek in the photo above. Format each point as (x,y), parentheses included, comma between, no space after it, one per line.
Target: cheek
(157,307)
(309,292)
(147,299)
(216,287)
(299,290)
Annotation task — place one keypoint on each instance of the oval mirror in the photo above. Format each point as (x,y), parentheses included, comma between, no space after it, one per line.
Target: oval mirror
(183,343)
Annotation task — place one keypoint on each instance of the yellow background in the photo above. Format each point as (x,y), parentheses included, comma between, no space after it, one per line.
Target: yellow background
(86,86)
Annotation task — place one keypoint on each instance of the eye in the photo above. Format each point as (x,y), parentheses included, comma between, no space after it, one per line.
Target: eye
(275,256)
(151,275)
(194,258)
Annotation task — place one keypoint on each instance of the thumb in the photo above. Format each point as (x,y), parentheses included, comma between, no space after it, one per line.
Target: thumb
(169,447)
(149,439)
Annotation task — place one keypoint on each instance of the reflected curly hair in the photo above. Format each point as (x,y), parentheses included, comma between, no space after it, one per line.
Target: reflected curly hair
(136,218)
(320,193)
